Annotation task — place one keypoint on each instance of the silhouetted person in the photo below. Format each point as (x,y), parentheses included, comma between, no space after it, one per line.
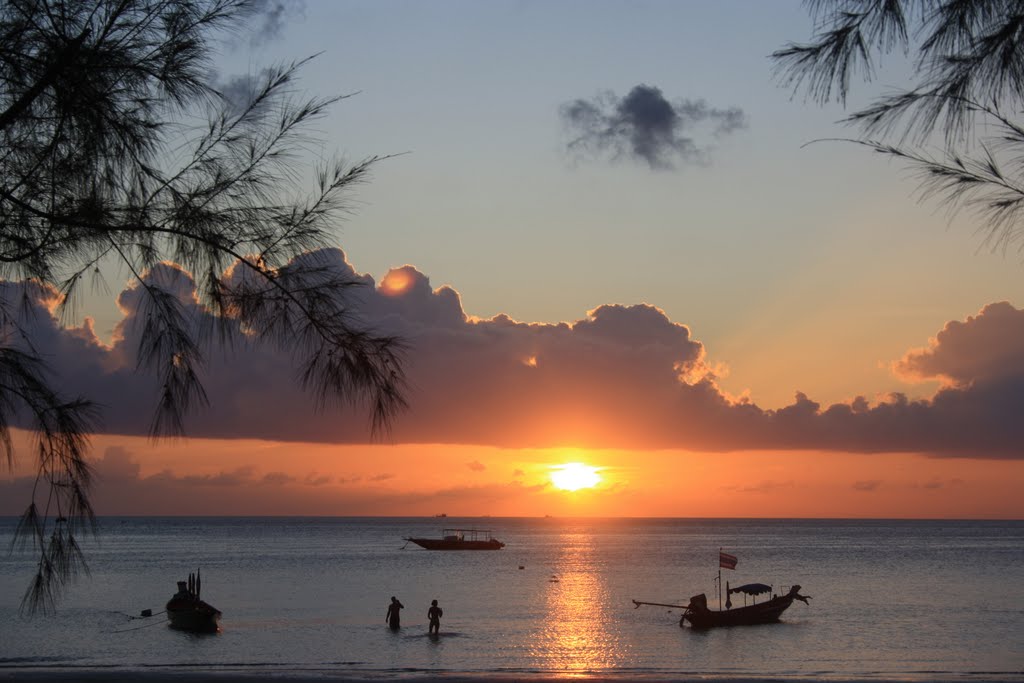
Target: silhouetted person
(393,619)
(434,615)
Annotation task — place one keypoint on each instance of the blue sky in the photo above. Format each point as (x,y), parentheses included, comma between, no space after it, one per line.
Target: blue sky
(799,267)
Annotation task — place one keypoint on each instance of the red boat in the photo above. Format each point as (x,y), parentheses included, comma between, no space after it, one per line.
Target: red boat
(460,539)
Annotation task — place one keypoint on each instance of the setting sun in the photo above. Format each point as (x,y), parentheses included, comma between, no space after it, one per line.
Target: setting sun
(574,476)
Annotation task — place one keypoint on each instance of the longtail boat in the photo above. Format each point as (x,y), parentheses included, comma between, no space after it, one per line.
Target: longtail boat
(700,616)
(186,611)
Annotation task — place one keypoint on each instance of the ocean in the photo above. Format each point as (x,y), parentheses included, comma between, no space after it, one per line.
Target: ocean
(913,600)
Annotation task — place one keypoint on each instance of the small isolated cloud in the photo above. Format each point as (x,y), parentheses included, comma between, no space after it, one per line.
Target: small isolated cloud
(382,477)
(315,479)
(518,473)
(645,126)
(867,485)
(238,477)
(476,466)
(763,487)
(277,479)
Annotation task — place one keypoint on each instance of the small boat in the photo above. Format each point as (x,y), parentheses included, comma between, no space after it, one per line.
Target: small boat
(697,613)
(460,539)
(186,611)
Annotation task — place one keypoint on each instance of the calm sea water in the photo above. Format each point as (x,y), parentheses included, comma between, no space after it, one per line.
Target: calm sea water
(910,599)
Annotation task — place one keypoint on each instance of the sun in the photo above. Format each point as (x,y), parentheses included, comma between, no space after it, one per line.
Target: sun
(574,476)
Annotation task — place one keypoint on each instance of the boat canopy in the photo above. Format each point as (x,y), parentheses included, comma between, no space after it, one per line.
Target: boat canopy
(752,589)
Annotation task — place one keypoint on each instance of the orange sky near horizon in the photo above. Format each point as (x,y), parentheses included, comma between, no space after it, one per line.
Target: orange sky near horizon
(250,477)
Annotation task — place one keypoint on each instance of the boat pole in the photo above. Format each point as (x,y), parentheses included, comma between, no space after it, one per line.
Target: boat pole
(719,579)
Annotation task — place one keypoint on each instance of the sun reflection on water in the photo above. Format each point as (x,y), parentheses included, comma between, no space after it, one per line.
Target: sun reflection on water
(577,636)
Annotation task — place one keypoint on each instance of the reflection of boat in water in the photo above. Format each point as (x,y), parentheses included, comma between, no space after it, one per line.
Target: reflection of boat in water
(767,612)
(460,539)
(188,612)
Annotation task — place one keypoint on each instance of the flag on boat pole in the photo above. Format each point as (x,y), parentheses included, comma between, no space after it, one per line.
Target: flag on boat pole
(726,561)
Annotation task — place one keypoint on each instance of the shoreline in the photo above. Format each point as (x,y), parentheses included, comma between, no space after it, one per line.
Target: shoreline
(207,674)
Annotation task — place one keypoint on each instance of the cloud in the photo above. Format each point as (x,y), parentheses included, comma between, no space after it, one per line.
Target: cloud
(763,487)
(315,479)
(867,485)
(647,127)
(270,16)
(936,484)
(238,91)
(120,488)
(622,376)
(117,465)
(476,466)
(278,478)
(982,348)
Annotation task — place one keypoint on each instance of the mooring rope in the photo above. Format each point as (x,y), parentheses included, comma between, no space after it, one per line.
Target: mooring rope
(158,622)
(143,616)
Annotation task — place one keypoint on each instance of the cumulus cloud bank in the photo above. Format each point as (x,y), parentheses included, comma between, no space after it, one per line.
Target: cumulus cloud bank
(620,377)
(647,127)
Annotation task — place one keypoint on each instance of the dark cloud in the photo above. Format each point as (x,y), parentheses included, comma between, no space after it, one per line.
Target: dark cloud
(117,465)
(620,377)
(867,485)
(278,478)
(237,92)
(476,466)
(982,348)
(936,484)
(270,16)
(645,126)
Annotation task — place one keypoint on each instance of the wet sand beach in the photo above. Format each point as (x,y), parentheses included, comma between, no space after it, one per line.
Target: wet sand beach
(326,676)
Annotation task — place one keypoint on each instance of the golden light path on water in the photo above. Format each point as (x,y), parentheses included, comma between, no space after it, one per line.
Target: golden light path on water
(576,636)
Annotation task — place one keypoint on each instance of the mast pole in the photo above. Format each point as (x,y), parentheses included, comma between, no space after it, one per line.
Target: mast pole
(719,579)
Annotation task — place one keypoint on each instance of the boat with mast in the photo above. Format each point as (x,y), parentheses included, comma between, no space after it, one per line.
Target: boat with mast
(701,617)
(186,611)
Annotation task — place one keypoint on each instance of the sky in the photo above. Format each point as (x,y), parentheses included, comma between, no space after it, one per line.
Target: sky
(610,237)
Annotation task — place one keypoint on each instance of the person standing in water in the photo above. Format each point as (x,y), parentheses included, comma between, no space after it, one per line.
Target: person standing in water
(393,619)
(434,615)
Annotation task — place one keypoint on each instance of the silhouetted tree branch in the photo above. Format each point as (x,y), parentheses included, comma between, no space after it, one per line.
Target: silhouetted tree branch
(97,163)
(958,126)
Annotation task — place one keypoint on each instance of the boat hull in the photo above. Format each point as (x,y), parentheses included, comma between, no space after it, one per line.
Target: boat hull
(455,544)
(766,612)
(194,616)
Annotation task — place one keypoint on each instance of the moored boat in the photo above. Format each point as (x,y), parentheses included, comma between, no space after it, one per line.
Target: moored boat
(186,611)
(460,539)
(700,616)
(767,612)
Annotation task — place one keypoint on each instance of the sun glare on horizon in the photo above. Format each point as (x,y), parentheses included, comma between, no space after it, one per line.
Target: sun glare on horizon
(573,476)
